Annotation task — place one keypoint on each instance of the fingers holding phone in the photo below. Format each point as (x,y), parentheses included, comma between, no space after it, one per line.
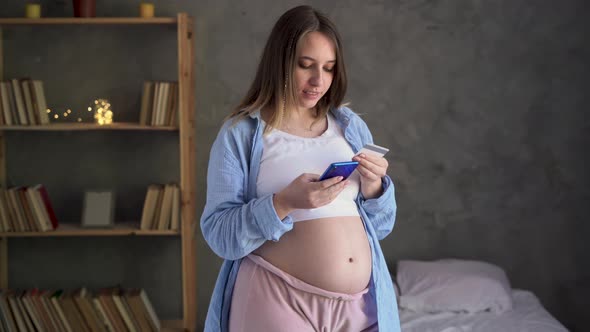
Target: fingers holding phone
(330,189)
(306,192)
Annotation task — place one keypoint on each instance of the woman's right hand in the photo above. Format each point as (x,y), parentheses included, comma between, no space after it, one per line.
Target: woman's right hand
(306,192)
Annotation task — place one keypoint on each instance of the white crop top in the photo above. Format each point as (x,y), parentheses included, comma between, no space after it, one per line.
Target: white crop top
(287,156)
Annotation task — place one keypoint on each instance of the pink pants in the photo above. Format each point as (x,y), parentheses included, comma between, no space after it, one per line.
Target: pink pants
(267,299)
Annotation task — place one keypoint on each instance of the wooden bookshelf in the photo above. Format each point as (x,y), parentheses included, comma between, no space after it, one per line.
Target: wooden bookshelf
(88,126)
(88,20)
(186,142)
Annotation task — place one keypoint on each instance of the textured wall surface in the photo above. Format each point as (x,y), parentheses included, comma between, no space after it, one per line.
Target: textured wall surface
(481,103)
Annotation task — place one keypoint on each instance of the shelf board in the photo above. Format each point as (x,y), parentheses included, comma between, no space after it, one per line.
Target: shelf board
(87,20)
(120,229)
(89,126)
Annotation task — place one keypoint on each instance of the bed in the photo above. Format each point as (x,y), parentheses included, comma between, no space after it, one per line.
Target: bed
(452,295)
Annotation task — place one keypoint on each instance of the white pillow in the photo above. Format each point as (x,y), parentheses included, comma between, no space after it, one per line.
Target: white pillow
(453,285)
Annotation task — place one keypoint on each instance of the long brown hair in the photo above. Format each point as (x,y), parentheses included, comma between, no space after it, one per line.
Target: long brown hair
(273,85)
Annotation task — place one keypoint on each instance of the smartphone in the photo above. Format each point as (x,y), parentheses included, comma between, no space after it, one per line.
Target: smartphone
(374,150)
(343,168)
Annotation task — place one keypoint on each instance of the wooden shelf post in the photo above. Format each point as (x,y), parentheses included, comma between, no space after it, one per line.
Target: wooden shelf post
(186,83)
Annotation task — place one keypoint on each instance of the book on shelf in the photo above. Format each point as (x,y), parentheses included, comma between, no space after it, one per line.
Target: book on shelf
(54,299)
(105,298)
(22,102)
(159,103)
(28,101)
(139,310)
(108,309)
(175,218)
(26,209)
(2,121)
(8,319)
(166,208)
(19,101)
(32,223)
(33,322)
(149,207)
(20,318)
(45,300)
(72,312)
(5,216)
(8,109)
(42,192)
(43,317)
(5,102)
(39,102)
(122,306)
(89,314)
(18,212)
(40,217)
(102,315)
(161,207)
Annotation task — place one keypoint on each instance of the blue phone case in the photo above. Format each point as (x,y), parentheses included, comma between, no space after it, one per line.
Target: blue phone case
(344,169)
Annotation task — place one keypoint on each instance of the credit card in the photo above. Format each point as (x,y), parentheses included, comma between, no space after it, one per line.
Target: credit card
(374,150)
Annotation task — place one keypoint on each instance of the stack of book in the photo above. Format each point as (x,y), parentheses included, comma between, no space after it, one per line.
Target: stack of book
(22,102)
(161,208)
(159,104)
(26,209)
(109,309)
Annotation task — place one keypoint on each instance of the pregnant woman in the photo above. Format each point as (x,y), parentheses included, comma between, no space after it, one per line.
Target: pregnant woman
(300,254)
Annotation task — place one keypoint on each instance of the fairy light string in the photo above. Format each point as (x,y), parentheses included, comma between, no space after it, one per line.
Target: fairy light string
(101,109)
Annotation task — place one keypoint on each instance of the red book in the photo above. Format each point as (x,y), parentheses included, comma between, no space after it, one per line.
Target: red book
(48,206)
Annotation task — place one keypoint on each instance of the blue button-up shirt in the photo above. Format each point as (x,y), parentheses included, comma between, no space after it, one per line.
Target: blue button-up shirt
(236,221)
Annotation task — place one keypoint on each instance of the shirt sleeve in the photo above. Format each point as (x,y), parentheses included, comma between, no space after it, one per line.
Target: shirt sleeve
(232,226)
(381,211)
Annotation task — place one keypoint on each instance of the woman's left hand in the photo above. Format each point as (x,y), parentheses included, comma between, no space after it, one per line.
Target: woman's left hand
(371,169)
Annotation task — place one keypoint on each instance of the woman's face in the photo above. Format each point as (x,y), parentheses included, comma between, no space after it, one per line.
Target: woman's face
(314,69)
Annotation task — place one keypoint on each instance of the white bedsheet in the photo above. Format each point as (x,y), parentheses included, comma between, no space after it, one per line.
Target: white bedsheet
(527,315)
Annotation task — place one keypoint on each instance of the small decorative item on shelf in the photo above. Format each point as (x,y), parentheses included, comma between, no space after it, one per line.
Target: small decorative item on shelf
(102,112)
(146,10)
(99,112)
(32,10)
(84,8)
(98,209)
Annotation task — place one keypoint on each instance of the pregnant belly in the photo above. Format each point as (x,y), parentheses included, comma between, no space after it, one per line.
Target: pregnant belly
(329,253)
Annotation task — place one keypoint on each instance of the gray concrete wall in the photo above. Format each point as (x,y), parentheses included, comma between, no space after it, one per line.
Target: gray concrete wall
(481,103)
